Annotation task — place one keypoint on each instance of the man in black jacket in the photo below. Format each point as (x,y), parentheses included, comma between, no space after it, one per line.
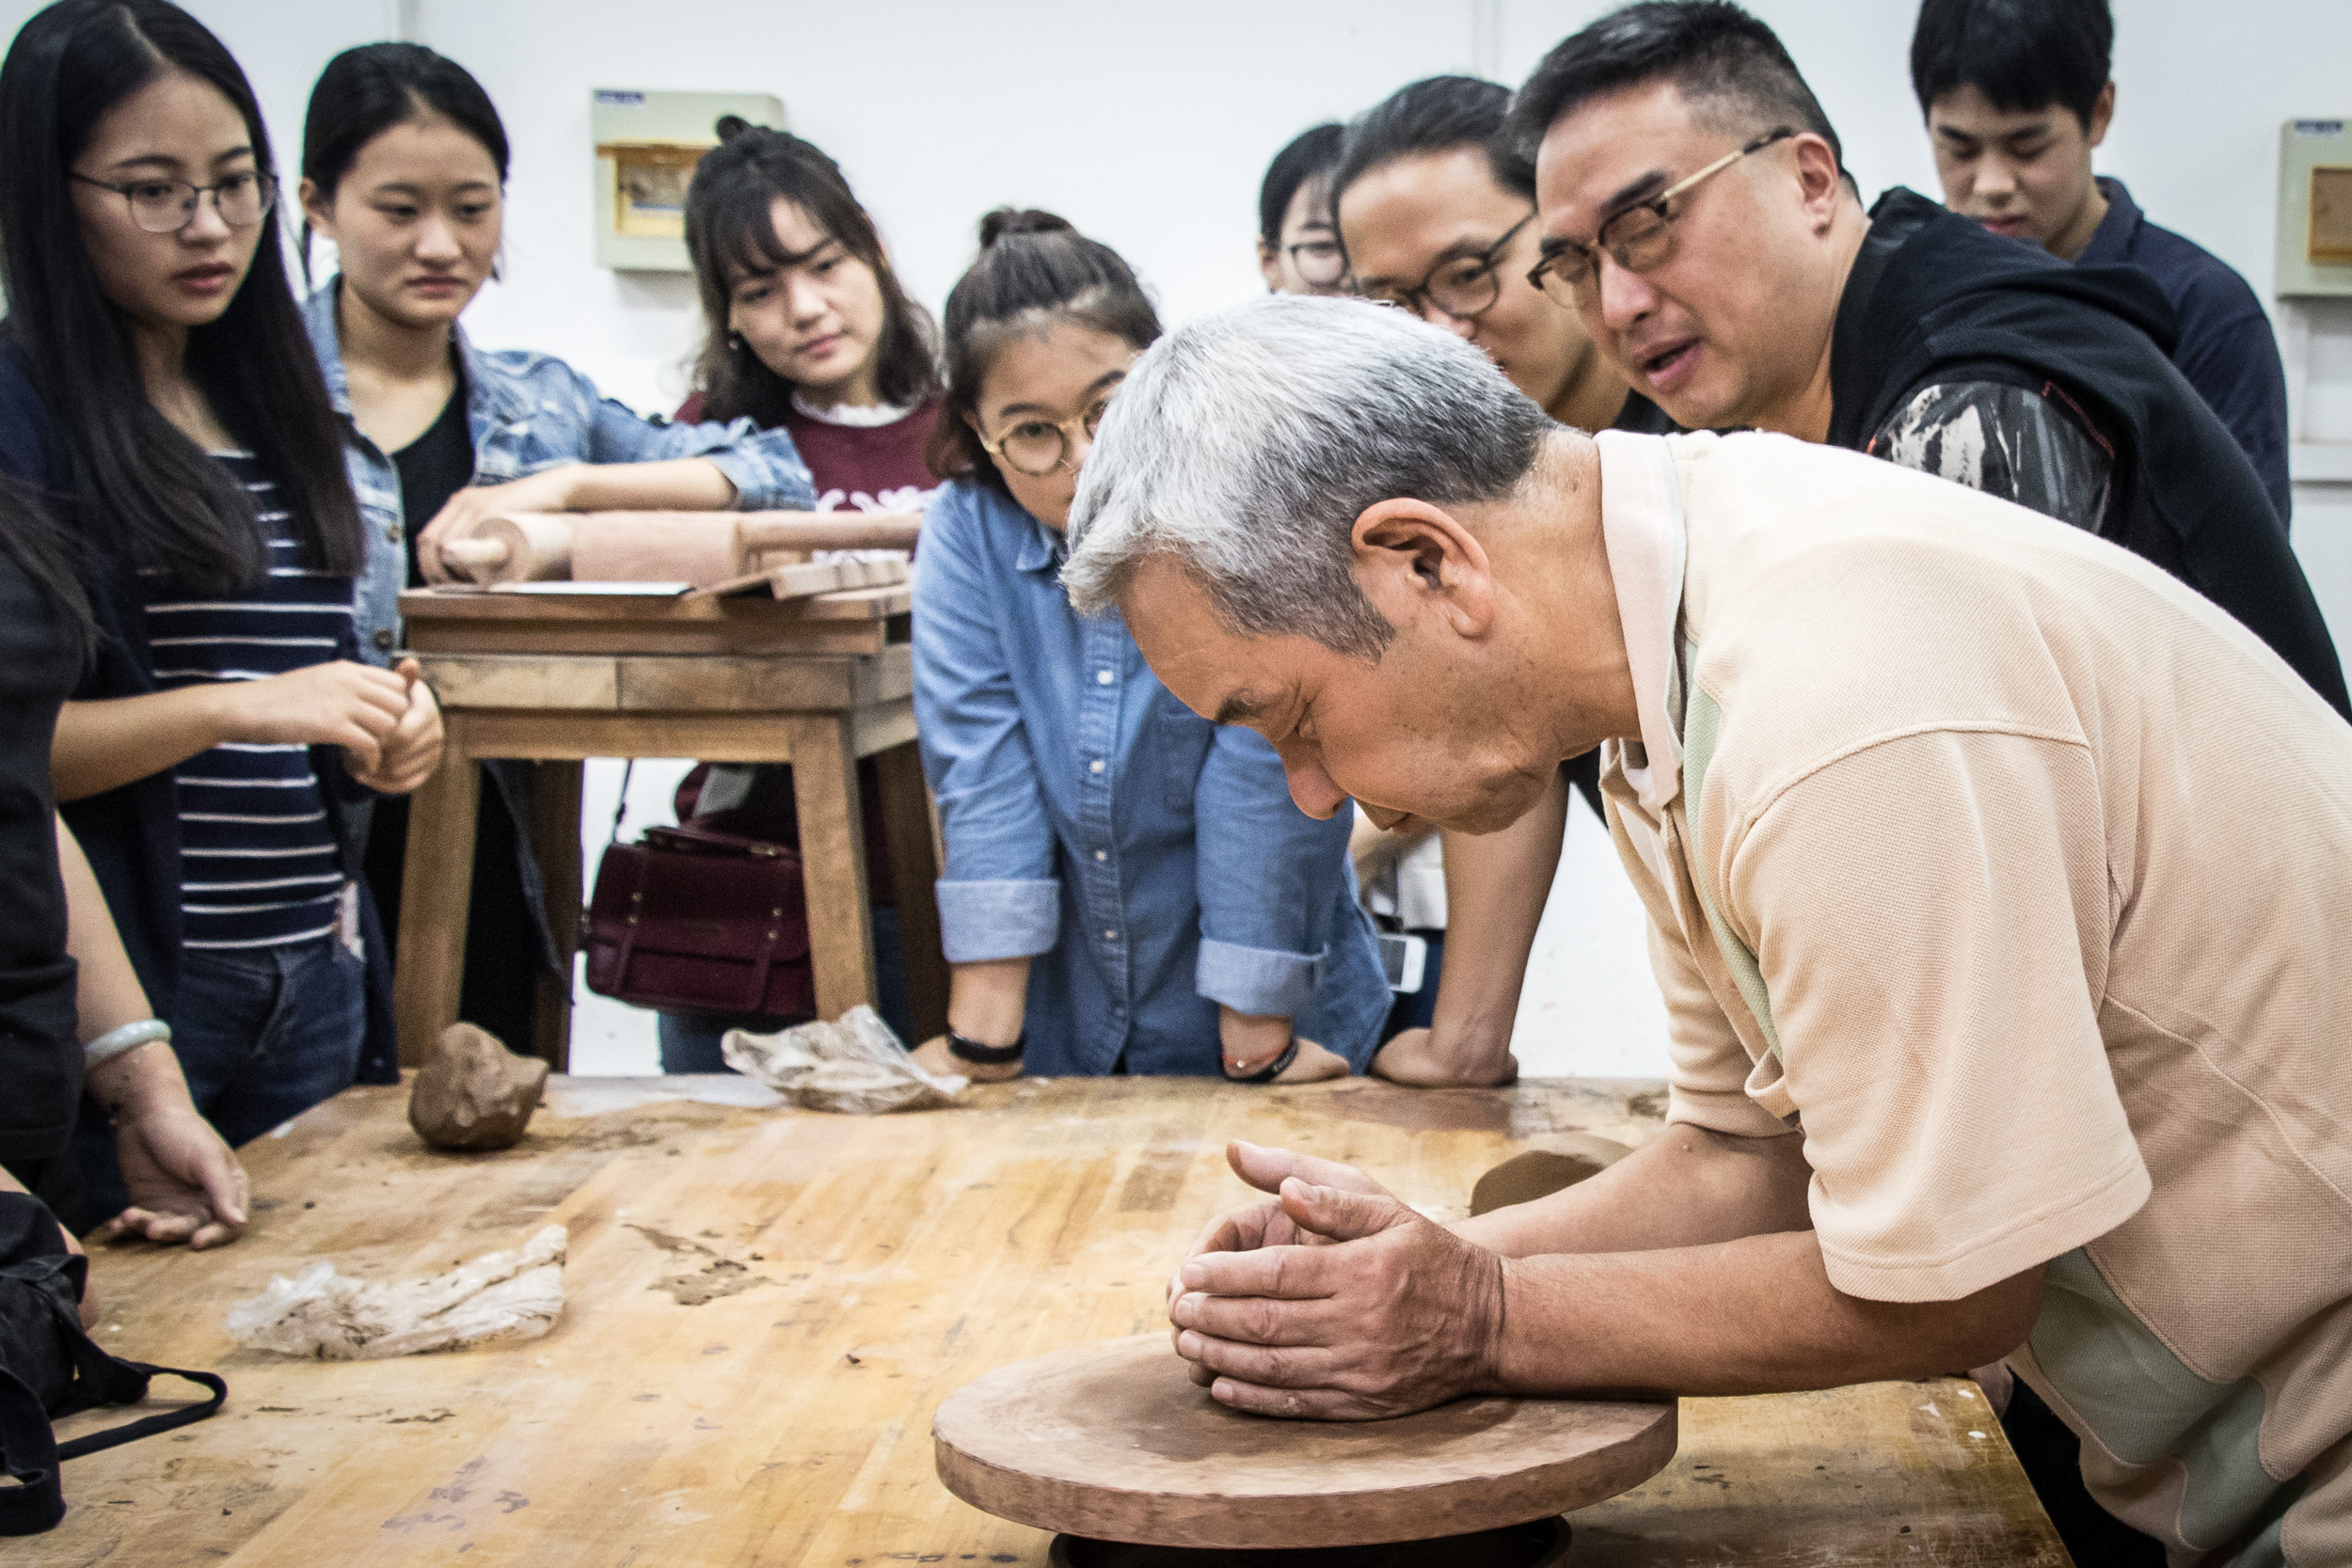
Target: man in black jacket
(1696,213)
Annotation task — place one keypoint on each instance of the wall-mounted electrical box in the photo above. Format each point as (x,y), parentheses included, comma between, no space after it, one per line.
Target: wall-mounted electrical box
(2315,208)
(647,145)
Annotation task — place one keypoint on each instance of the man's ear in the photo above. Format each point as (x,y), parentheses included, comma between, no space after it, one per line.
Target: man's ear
(2102,116)
(1819,185)
(1413,559)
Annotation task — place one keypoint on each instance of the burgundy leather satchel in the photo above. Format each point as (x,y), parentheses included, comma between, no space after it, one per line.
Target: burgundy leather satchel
(691,920)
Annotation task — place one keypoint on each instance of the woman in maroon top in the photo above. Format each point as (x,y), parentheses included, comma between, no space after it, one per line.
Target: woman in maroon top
(804,327)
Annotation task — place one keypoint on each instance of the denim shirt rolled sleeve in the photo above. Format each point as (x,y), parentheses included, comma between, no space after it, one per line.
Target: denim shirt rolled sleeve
(764,466)
(1265,872)
(1150,866)
(999,896)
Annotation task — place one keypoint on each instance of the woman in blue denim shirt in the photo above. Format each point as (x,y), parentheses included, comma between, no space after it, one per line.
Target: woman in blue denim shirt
(404,165)
(1128,887)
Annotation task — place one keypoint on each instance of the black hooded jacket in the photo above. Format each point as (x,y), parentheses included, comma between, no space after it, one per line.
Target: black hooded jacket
(1933,297)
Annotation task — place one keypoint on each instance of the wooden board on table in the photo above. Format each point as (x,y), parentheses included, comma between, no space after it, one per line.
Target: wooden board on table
(855,621)
(767,1306)
(800,580)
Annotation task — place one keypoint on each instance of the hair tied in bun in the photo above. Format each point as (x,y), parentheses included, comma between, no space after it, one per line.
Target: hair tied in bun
(1017,220)
(732,126)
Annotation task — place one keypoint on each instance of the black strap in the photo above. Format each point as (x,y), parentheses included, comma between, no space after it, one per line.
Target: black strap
(1274,1069)
(967,1050)
(28,1450)
(162,1421)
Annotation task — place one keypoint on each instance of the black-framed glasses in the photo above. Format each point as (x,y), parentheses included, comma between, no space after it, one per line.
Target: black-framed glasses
(1637,239)
(1039,447)
(1464,287)
(1320,264)
(167,206)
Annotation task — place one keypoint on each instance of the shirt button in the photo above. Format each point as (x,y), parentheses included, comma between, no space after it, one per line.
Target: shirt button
(1095,766)
(1102,854)
(384,640)
(1110,935)
(1102,678)
(391,533)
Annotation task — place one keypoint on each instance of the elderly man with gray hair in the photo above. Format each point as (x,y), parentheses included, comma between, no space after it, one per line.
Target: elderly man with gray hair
(1988,1040)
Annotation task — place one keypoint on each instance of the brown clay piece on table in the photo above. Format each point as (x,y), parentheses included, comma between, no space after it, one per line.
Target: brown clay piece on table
(1114,1442)
(1557,1160)
(472,1093)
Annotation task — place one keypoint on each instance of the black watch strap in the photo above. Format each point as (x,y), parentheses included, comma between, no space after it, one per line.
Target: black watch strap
(1269,1072)
(985,1056)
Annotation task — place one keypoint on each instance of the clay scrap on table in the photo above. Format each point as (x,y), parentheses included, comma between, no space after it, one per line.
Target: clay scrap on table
(854,1065)
(517,1294)
(472,1093)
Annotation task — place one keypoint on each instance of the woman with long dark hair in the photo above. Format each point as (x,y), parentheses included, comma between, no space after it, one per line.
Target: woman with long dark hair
(404,168)
(213,756)
(1129,887)
(805,329)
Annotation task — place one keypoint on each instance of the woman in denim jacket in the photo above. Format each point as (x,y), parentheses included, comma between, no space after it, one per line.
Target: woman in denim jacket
(1129,888)
(404,165)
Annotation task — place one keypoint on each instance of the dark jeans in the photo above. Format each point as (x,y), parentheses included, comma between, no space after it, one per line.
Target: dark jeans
(689,1041)
(262,1034)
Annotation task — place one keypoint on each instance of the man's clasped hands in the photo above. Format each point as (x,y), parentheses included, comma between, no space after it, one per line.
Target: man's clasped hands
(1334,1299)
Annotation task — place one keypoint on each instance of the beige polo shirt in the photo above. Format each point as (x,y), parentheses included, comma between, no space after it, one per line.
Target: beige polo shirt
(2019,880)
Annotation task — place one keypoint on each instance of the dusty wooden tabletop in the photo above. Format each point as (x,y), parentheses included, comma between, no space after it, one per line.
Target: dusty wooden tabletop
(765,1306)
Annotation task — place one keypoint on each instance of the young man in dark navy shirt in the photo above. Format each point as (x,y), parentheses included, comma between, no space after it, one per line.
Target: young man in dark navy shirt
(2016,94)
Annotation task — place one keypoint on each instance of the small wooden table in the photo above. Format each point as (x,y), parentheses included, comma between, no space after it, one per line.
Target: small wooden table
(766,1307)
(559,679)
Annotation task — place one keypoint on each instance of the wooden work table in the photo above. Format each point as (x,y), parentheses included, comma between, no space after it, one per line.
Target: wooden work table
(765,1306)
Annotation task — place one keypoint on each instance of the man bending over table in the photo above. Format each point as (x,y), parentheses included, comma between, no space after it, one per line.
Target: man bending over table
(1997,886)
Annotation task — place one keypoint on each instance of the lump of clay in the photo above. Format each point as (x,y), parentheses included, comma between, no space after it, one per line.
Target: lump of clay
(515,1294)
(474,1093)
(1558,1160)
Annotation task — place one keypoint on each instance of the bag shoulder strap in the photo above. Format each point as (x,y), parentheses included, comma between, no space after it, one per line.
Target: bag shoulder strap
(28,1451)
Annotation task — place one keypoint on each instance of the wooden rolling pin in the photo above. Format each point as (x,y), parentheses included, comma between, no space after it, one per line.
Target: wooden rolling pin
(709,547)
(519,546)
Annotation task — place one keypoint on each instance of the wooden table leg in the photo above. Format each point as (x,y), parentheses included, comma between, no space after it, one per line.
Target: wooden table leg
(436,889)
(906,806)
(832,860)
(555,838)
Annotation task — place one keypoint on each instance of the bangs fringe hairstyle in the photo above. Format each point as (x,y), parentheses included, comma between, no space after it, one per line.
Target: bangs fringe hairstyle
(148,487)
(1034,270)
(731,235)
(364,92)
(1310,155)
(2022,54)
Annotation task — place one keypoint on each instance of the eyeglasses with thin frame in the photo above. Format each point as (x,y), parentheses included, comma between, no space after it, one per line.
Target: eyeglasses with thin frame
(1320,264)
(1464,287)
(167,206)
(1639,238)
(1039,447)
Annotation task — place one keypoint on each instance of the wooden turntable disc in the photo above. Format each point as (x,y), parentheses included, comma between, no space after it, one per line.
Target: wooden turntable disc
(1113,1441)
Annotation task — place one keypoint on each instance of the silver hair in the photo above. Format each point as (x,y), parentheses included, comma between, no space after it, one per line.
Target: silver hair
(1245,446)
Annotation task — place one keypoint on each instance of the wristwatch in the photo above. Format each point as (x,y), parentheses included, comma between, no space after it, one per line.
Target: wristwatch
(985,1056)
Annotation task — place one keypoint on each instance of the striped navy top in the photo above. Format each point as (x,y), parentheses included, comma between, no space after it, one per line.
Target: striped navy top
(259,861)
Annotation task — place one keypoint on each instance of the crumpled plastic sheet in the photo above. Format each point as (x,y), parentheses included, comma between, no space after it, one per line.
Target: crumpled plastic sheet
(320,1313)
(854,1065)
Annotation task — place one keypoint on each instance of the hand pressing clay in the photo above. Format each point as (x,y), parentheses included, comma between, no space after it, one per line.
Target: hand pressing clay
(474,1093)
(507,1295)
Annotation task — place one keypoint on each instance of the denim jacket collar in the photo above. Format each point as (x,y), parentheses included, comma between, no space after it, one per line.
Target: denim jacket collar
(488,394)
(1042,550)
